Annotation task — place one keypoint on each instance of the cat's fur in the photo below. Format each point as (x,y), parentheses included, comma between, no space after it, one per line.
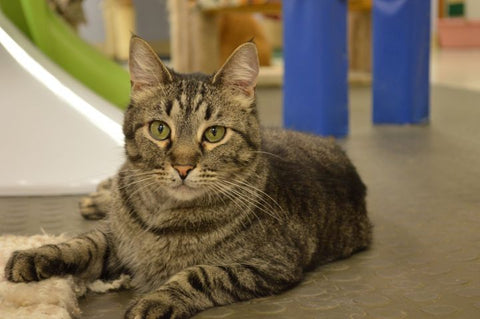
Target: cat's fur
(259,208)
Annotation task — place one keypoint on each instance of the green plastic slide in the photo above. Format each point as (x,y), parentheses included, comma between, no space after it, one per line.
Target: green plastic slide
(58,41)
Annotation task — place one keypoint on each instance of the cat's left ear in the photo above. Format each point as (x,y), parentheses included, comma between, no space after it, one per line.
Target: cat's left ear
(240,71)
(146,68)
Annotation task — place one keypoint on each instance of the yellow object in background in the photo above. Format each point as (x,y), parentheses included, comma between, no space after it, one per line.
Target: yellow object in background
(360,5)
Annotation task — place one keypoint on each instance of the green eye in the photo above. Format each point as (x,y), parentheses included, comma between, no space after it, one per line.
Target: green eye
(214,134)
(159,130)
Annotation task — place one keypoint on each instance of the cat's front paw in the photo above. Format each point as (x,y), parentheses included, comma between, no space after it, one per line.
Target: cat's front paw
(153,308)
(89,208)
(32,265)
(96,205)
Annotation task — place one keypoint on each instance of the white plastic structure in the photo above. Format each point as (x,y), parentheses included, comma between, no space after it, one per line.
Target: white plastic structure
(56,136)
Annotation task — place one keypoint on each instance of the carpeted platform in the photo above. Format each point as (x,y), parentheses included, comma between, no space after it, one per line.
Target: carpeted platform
(52,298)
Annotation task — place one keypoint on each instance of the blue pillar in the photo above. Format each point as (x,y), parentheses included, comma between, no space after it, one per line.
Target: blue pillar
(316,66)
(401,55)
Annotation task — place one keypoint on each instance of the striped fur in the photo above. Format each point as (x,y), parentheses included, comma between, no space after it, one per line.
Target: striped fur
(256,211)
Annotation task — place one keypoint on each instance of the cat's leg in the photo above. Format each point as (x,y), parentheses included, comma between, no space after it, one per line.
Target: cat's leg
(97,204)
(200,287)
(87,256)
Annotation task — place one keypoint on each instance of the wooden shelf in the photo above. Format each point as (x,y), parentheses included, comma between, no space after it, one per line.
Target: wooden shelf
(268,8)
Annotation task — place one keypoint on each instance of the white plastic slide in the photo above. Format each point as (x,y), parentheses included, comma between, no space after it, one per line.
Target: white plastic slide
(56,136)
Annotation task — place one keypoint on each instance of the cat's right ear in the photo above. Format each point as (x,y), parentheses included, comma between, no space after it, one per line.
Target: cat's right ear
(146,68)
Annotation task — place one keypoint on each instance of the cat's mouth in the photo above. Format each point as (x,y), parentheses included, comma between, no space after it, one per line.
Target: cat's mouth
(183,188)
(184,192)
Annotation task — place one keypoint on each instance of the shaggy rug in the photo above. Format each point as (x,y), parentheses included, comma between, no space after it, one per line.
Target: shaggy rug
(51,298)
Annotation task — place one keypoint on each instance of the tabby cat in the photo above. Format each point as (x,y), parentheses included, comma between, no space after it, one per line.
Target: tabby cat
(209,209)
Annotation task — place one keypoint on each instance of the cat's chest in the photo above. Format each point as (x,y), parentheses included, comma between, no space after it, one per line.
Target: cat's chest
(161,248)
(153,258)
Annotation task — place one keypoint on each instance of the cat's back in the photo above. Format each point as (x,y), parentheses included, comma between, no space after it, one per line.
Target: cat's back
(304,151)
(309,167)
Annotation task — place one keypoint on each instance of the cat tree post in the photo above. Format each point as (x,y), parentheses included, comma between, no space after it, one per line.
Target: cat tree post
(194,38)
(316,66)
(401,53)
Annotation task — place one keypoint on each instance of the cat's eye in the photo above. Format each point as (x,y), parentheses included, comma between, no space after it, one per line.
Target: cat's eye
(159,130)
(214,134)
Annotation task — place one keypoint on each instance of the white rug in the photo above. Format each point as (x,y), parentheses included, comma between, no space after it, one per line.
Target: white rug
(51,298)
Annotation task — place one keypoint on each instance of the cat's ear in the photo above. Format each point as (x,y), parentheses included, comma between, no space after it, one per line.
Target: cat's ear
(240,71)
(146,68)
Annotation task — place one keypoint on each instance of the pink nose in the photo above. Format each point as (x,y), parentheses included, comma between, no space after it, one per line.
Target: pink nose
(183,170)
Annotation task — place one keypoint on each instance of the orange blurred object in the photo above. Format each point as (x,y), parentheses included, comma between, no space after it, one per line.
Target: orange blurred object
(458,33)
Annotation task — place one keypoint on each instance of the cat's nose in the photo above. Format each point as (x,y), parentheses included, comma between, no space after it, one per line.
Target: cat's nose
(183,170)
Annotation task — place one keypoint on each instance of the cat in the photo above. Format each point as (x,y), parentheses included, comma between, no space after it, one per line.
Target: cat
(209,208)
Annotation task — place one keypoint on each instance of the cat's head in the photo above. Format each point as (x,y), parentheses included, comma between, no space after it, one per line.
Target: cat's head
(195,133)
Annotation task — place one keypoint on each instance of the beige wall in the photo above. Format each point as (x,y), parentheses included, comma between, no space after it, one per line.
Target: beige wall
(473,9)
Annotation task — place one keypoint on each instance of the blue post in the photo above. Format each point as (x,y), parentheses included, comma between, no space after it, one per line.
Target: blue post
(401,55)
(316,66)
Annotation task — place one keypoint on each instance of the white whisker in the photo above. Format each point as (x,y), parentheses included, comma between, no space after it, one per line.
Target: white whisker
(238,201)
(134,182)
(255,196)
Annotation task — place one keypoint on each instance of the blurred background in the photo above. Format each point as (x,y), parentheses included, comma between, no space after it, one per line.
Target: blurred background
(455,34)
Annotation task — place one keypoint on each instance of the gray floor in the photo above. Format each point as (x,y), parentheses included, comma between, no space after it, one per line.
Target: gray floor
(424,199)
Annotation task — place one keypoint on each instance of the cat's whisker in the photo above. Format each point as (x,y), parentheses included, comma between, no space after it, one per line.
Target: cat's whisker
(238,201)
(230,196)
(214,194)
(130,170)
(246,199)
(143,173)
(141,188)
(260,191)
(134,182)
(255,198)
(246,184)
